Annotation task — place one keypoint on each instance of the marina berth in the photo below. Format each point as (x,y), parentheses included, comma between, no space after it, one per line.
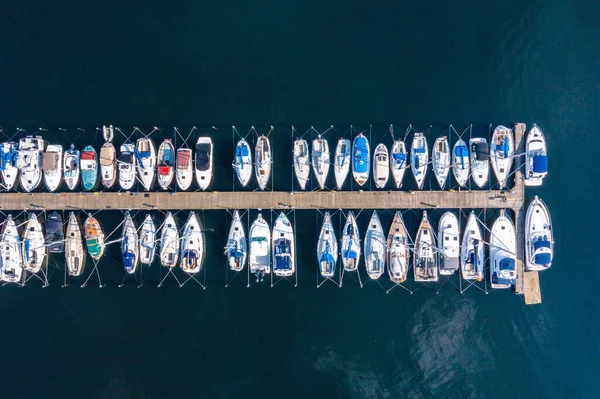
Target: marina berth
(448,243)
(398,244)
(126,164)
(321,159)
(480,160)
(341,163)
(260,248)
(539,236)
(375,248)
(242,162)
(327,248)
(147,240)
(145,153)
(52,166)
(284,252)
(381,170)
(424,261)
(11,267)
(398,162)
(165,162)
(108,165)
(89,168)
(350,244)
(130,245)
(94,237)
(263,159)
(419,158)
(192,245)
(536,158)
(29,162)
(502,150)
(184,168)
(8,164)
(169,242)
(71,167)
(503,252)
(34,247)
(55,238)
(204,162)
(74,255)
(301,162)
(460,163)
(236,248)
(440,159)
(361,159)
(472,250)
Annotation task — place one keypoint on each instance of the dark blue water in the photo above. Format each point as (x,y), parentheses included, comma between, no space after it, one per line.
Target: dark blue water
(80,65)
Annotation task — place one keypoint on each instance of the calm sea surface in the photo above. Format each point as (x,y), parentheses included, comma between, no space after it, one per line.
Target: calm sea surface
(77,64)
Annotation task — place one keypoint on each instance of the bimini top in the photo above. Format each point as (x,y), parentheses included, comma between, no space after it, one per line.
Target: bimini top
(540,164)
(7,158)
(542,258)
(481,151)
(462,152)
(183,158)
(202,156)
(128,260)
(282,254)
(88,155)
(164,170)
(361,155)
(241,151)
(93,247)
(503,147)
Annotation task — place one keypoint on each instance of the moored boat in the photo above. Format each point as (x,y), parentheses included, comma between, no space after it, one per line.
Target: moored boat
(327,248)
(236,249)
(301,162)
(539,240)
(147,240)
(242,162)
(89,168)
(424,261)
(263,161)
(145,152)
(341,163)
(260,248)
(480,160)
(184,174)
(375,248)
(381,166)
(71,161)
(440,159)
(126,164)
(34,247)
(460,163)
(419,158)
(284,252)
(94,237)
(321,160)
(108,132)
(74,255)
(204,162)
(448,243)
(8,164)
(471,259)
(361,159)
(130,245)
(165,164)
(55,238)
(192,245)
(398,250)
(350,244)
(29,162)
(398,163)
(502,149)
(536,157)
(503,252)
(108,165)
(169,242)
(52,166)
(11,268)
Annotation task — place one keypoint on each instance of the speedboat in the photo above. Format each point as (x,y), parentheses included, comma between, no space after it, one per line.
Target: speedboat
(127,166)
(29,162)
(381,166)
(130,245)
(34,247)
(440,158)
(260,248)
(11,268)
(55,238)
(536,158)
(52,166)
(471,258)
(108,165)
(424,262)
(321,160)
(502,149)
(341,163)
(480,160)
(539,241)
(237,247)
(327,248)
(262,156)
(398,250)
(147,240)
(89,168)
(242,162)
(74,255)
(184,168)
(375,248)
(503,252)
(192,245)
(94,237)
(361,159)
(448,243)
(350,244)
(204,162)
(301,162)
(169,242)
(146,161)
(398,162)
(419,158)
(166,164)
(460,163)
(8,164)
(108,132)
(284,253)
(71,167)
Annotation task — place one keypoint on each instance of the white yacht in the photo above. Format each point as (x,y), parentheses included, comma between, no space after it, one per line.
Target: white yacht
(448,243)
(29,162)
(71,167)
(192,245)
(260,248)
(536,157)
(471,254)
(263,161)
(185,172)
(52,166)
(301,162)
(503,252)
(327,248)
(440,158)
(108,165)
(34,245)
(424,260)
(169,242)
(236,249)
(74,255)
(147,240)
(419,158)
(8,164)
(375,248)
(11,268)
(165,164)
(398,250)
(127,164)
(460,163)
(480,160)
(108,132)
(398,163)
(242,162)
(350,244)
(341,162)
(204,162)
(145,152)
(539,240)
(284,251)
(130,247)
(321,160)
(381,166)
(502,151)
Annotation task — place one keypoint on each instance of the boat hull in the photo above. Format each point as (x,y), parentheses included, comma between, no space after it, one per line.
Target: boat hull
(341,164)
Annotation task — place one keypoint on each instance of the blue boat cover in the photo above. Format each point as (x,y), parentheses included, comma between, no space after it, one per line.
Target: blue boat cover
(420,150)
(145,154)
(360,158)
(541,244)
(241,151)
(348,253)
(462,152)
(540,164)
(503,147)
(282,254)
(543,259)
(8,158)
(327,257)
(507,264)
(128,260)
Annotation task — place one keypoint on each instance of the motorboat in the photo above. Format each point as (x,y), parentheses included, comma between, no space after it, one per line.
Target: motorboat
(284,253)
(424,260)
(263,161)
(130,248)
(381,166)
(448,243)
(350,244)
(480,160)
(460,163)
(108,132)
(260,248)
(89,168)
(539,240)
(440,159)
(8,164)
(398,163)
(204,162)
(361,159)
(11,268)
(242,162)
(536,157)
(71,161)
(398,250)
(502,150)
(29,161)
(169,242)
(503,252)
(94,237)
(327,248)
(34,247)
(108,165)
(165,164)
(55,238)
(471,258)
(145,152)
(375,248)
(147,240)
(52,166)
(236,249)
(419,158)
(184,174)
(321,160)
(74,255)
(192,245)
(341,162)
(127,164)
(301,162)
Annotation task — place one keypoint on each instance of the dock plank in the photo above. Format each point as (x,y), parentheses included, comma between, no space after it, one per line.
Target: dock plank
(531,288)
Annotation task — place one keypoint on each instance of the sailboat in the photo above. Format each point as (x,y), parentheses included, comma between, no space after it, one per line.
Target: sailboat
(471,258)
(184,174)
(301,162)
(440,158)
(321,160)
(169,242)
(260,248)
(424,262)
(74,255)
(341,163)
(89,168)
(419,158)
(52,166)
(539,241)
(166,164)
(536,158)
(145,152)
(237,247)
(29,161)
(130,246)
(381,166)
(361,159)
(327,248)
(108,132)
(375,248)
(503,252)
(127,163)
(11,269)
(8,164)
(55,238)
(242,162)
(398,250)
(350,244)
(460,163)
(71,167)
(192,245)
(204,162)
(448,243)
(94,237)
(502,149)
(108,165)
(147,240)
(398,162)
(284,252)
(262,156)
(34,247)
(480,160)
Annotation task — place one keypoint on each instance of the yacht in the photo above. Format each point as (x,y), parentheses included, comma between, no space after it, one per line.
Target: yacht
(375,248)
(424,261)
(11,268)
(94,237)
(192,245)
(440,158)
(480,160)
(321,160)
(169,242)
(327,248)
(242,162)
(29,162)
(536,157)
(147,240)
(204,162)
(503,252)
(89,168)
(350,244)
(8,164)
(108,132)
(398,250)
(398,162)
(71,167)
(341,162)
(460,163)
(108,165)
(284,253)
(184,174)
(301,162)
(260,248)
(502,149)
(52,166)
(448,243)
(145,152)
(126,164)
(74,255)
(55,238)
(361,159)
(165,164)
(539,241)
(381,166)
(471,259)
(263,159)
(34,247)
(419,158)
(130,245)
(237,247)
